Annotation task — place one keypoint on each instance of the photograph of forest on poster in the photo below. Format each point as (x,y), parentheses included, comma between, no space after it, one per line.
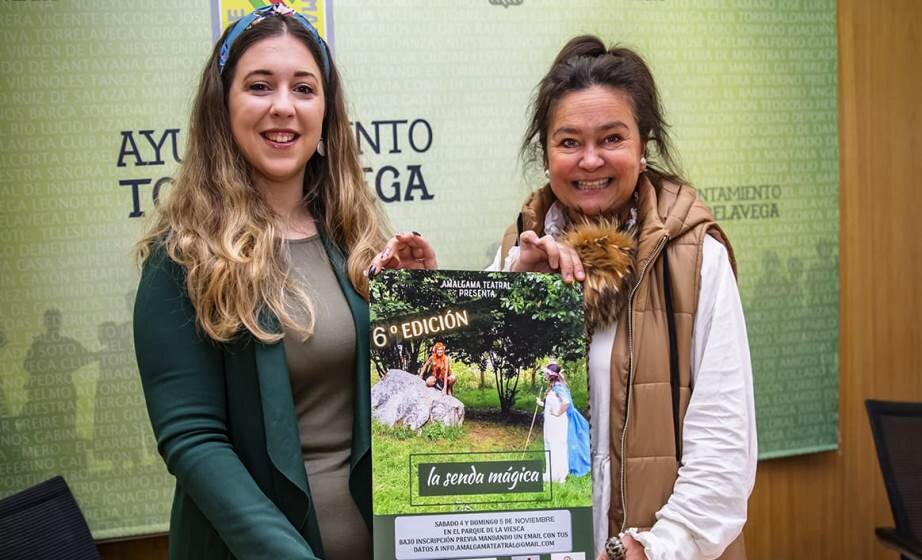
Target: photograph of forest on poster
(479,392)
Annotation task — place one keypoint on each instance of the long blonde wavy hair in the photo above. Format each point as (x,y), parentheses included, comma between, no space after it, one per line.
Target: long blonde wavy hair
(217,226)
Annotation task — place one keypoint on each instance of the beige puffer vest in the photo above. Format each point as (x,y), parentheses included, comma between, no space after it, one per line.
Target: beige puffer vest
(674,220)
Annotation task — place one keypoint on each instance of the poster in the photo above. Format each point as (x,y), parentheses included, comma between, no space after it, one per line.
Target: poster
(480,439)
(94,103)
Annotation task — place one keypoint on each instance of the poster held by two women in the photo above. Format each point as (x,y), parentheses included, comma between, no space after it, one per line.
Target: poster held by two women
(462,365)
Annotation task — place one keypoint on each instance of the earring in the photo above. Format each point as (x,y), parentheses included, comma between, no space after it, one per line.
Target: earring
(547,173)
(643,163)
(321,148)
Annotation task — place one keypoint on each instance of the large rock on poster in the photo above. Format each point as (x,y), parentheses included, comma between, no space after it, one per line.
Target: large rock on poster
(404,398)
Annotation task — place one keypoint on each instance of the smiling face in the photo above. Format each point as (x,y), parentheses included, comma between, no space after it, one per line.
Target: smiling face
(276,108)
(593,150)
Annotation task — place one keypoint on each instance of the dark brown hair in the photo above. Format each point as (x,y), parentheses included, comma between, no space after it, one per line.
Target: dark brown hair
(585,62)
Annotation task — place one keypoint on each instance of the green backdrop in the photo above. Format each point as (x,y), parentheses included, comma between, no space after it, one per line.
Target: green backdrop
(93,114)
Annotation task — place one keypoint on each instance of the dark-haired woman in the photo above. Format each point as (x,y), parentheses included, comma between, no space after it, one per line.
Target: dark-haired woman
(251,325)
(566,432)
(673,422)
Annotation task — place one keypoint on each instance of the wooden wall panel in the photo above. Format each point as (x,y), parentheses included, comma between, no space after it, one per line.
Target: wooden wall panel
(825,506)
(149,548)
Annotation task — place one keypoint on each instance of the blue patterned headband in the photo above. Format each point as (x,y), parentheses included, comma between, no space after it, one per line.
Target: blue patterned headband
(262,13)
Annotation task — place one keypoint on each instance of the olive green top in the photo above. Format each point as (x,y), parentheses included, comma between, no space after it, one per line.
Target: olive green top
(323,388)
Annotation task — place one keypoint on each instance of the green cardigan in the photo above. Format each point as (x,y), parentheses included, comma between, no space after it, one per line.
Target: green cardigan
(225,424)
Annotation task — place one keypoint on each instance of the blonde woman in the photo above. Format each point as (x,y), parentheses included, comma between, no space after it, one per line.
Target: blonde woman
(251,325)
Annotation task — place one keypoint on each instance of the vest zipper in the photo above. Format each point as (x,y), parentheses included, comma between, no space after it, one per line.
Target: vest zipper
(630,369)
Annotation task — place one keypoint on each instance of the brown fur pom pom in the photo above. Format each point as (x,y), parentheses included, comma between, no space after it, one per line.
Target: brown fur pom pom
(607,253)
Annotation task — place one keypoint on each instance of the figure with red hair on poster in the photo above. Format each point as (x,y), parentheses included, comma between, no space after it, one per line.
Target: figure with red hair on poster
(439,369)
